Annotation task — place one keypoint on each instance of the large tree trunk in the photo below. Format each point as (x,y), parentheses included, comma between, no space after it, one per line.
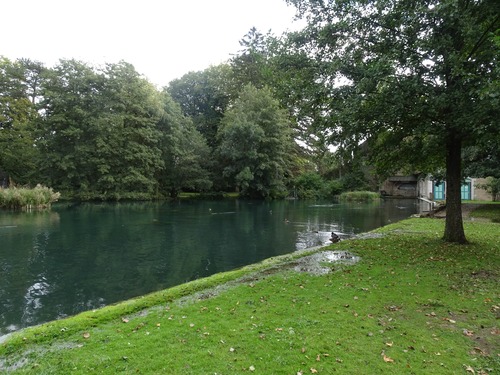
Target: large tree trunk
(454,227)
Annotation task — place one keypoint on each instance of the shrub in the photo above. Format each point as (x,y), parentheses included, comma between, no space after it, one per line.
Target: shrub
(19,198)
(312,185)
(359,196)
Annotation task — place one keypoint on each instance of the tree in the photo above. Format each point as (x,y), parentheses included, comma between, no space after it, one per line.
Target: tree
(255,142)
(204,96)
(98,132)
(184,152)
(409,78)
(17,114)
(250,65)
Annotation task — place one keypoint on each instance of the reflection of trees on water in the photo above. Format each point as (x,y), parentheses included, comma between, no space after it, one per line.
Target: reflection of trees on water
(23,236)
(85,256)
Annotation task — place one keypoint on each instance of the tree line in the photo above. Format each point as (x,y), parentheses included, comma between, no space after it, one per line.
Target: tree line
(108,133)
(365,90)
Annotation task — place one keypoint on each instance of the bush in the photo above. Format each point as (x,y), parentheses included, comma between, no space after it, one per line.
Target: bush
(19,198)
(359,196)
(311,185)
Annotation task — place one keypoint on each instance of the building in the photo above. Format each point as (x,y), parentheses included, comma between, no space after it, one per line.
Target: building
(431,189)
(436,190)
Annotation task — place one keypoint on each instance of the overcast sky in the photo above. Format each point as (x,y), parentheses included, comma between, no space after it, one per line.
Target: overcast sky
(163,39)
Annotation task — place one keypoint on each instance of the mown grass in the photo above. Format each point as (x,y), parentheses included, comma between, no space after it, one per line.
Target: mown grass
(412,305)
(490,211)
(25,198)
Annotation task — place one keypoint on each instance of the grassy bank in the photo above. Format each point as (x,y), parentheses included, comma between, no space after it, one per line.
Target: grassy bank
(359,196)
(412,305)
(25,198)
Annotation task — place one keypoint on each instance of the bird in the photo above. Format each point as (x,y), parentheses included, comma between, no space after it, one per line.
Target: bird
(335,237)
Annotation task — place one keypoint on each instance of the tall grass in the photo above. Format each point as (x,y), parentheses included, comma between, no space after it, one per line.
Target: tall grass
(359,196)
(25,198)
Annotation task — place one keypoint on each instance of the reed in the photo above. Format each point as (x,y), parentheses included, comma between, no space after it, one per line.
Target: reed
(359,196)
(25,198)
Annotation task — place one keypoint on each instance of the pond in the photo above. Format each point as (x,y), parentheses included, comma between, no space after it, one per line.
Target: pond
(78,257)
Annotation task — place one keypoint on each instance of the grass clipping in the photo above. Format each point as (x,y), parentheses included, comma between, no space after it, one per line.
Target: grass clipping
(411,304)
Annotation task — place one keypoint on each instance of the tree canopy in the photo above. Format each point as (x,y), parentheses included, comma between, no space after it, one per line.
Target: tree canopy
(255,142)
(412,79)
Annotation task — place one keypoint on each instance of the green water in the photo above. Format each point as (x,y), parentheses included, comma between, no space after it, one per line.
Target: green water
(84,256)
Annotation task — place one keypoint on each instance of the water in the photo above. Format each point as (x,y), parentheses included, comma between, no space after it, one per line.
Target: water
(78,257)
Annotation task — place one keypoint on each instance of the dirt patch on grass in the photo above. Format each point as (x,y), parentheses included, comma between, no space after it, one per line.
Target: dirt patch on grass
(320,263)
(324,262)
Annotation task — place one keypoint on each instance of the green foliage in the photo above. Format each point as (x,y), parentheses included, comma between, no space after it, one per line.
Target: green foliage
(492,186)
(255,144)
(250,65)
(407,79)
(17,112)
(184,151)
(311,185)
(98,133)
(204,96)
(24,198)
(354,180)
(359,196)
(483,159)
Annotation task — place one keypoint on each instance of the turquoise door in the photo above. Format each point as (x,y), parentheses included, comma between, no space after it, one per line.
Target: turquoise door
(439,191)
(465,191)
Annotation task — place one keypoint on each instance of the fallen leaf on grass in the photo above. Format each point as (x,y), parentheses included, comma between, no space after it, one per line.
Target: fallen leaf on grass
(388,359)
(467,332)
(389,344)
(86,335)
(125,320)
(393,308)
(469,369)
(450,320)
(313,370)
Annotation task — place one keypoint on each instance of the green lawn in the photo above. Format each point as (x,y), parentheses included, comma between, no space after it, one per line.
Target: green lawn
(412,305)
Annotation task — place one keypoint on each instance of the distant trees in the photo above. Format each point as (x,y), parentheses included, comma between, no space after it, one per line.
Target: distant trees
(98,132)
(383,86)
(18,93)
(185,153)
(255,144)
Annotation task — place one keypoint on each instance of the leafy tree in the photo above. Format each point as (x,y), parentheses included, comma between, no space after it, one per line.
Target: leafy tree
(255,142)
(483,160)
(409,78)
(184,152)
(492,186)
(17,114)
(131,137)
(204,96)
(67,129)
(98,131)
(250,65)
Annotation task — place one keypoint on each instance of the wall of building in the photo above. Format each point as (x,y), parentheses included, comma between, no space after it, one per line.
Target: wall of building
(479,193)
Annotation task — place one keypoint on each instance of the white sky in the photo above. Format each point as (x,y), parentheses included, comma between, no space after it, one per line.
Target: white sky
(163,39)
